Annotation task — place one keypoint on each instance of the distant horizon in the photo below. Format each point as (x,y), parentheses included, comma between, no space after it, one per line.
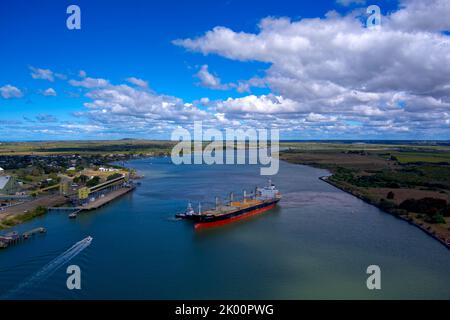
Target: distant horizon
(281,140)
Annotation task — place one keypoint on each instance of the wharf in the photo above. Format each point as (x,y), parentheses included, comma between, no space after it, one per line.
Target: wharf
(13,237)
(101,201)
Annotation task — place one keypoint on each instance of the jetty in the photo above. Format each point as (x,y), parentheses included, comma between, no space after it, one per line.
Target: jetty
(13,237)
(30,233)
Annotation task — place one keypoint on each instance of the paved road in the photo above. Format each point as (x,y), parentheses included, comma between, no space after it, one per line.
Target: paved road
(45,201)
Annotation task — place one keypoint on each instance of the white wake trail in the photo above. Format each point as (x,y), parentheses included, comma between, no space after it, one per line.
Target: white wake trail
(51,267)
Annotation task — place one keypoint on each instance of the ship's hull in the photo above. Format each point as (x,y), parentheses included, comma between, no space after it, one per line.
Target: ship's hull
(208,221)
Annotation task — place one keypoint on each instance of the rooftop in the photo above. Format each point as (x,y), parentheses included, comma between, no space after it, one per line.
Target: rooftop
(3,181)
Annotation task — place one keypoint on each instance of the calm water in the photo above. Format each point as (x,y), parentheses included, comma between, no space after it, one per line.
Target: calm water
(317,244)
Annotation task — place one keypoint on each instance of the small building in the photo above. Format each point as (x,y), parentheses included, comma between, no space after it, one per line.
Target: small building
(102,169)
(2,170)
(64,186)
(8,185)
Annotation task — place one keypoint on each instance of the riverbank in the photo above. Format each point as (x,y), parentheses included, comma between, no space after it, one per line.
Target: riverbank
(427,228)
(416,192)
(28,210)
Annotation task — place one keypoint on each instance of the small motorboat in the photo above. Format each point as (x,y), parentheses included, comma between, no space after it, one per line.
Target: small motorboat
(72,215)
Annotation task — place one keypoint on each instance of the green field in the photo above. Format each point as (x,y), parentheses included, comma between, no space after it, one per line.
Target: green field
(410,180)
(86,147)
(416,157)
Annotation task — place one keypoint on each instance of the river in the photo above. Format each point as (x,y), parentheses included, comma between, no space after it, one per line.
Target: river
(317,244)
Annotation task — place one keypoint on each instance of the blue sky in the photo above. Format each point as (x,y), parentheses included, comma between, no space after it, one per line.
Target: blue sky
(123,39)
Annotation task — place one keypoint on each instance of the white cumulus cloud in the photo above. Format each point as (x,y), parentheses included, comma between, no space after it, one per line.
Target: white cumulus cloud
(43,74)
(89,83)
(138,82)
(50,92)
(8,91)
(395,77)
(209,80)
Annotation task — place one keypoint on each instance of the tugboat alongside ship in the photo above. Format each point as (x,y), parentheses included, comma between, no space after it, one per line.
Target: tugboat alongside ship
(263,199)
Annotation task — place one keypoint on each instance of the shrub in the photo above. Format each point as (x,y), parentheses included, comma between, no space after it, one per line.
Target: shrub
(428,206)
(39,211)
(445,211)
(81,179)
(386,205)
(93,182)
(114,176)
(437,218)
(390,195)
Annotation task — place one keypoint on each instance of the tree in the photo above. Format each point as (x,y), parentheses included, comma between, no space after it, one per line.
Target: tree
(437,218)
(83,178)
(445,211)
(93,182)
(386,205)
(113,176)
(434,209)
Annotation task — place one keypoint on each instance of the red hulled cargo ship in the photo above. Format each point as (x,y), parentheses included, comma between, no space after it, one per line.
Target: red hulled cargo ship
(263,199)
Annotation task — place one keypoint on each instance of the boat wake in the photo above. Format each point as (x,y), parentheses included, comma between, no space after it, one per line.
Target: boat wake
(50,268)
(309,198)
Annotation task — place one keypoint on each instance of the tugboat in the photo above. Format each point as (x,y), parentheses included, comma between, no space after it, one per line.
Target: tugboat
(187,214)
(263,199)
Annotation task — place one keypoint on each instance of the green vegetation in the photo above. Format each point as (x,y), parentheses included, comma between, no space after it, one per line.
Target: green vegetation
(17,219)
(126,146)
(410,180)
(427,176)
(422,157)
(93,182)
(113,176)
(81,179)
(432,210)
(39,211)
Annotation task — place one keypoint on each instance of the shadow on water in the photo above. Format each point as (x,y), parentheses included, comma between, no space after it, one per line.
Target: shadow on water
(236,226)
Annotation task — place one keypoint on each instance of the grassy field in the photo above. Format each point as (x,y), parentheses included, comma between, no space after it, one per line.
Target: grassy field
(438,156)
(28,210)
(86,147)
(388,176)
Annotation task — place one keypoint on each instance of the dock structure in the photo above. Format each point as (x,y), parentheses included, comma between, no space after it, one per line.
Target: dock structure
(30,233)
(9,239)
(72,211)
(63,209)
(87,195)
(103,193)
(12,238)
(97,196)
(106,198)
